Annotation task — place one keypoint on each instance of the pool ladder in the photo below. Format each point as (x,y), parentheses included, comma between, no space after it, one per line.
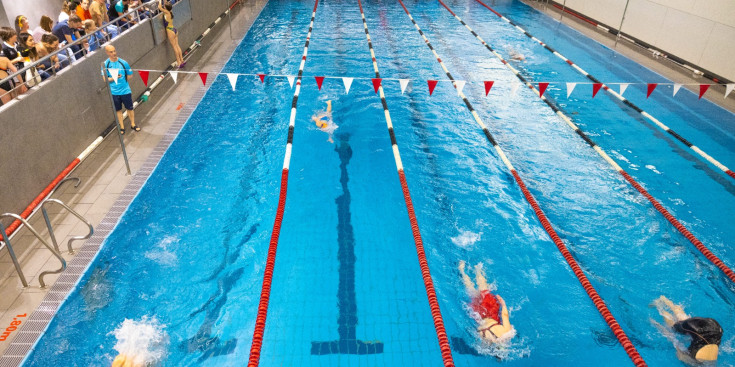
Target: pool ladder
(55,249)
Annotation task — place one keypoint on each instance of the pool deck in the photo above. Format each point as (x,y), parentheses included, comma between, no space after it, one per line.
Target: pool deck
(104,177)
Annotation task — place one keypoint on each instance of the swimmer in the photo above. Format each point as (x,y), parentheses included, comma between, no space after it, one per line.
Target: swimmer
(515,55)
(492,314)
(123,360)
(324,122)
(705,333)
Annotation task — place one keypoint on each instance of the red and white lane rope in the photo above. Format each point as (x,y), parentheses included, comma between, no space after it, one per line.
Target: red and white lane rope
(271,260)
(591,292)
(441,332)
(680,227)
(618,96)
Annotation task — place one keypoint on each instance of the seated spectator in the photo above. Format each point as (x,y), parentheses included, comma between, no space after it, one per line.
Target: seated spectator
(50,43)
(117,9)
(7,89)
(98,11)
(96,39)
(83,11)
(47,24)
(10,40)
(68,28)
(22,25)
(27,49)
(65,11)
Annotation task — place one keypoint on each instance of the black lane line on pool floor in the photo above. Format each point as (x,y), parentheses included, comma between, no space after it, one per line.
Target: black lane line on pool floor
(622,99)
(708,254)
(592,293)
(346,296)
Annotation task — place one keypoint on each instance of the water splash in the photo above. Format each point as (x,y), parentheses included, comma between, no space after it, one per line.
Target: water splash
(161,254)
(144,341)
(505,348)
(466,239)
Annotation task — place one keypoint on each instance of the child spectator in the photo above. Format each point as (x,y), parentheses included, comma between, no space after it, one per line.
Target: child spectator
(96,39)
(10,39)
(7,89)
(65,11)
(27,48)
(45,27)
(22,25)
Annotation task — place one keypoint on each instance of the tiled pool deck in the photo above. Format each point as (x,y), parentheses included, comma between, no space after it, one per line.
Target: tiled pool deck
(106,189)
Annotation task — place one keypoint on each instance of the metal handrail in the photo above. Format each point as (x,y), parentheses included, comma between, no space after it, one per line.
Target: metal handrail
(80,40)
(35,233)
(51,229)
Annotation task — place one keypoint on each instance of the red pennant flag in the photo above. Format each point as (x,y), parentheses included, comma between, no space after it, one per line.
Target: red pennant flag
(651,87)
(204,78)
(432,85)
(376,84)
(703,89)
(542,88)
(319,80)
(488,85)
(144,76)
(262,78)
(596,88)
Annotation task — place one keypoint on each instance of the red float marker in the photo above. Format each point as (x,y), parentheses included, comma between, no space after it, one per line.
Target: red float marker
(703,89)
(432,85)
(488,86)
(144,75)
(262,78)
(203,76)
(319,81)
(542,88)
(596,88)
(376,84)
(651,87)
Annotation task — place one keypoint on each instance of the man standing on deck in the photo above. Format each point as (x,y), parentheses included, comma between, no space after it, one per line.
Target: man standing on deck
(119,87)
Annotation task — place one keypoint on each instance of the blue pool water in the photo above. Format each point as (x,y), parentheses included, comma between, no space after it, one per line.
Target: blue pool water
(191,249)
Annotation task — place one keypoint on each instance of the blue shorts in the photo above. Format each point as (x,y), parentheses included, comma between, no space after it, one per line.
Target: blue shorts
(126,100)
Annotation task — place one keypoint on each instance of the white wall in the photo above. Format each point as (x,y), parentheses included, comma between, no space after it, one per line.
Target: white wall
(33,9)
(701,32)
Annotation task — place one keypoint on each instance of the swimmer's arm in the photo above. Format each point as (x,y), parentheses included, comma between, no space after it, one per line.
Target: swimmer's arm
(329,106)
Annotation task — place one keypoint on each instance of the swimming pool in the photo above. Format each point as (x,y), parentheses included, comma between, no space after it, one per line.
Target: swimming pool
(190,250)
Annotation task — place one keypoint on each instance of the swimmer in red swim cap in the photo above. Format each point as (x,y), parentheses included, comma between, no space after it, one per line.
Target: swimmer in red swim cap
(491,312)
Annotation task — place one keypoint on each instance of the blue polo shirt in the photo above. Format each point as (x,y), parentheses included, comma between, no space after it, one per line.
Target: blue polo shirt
(122,87)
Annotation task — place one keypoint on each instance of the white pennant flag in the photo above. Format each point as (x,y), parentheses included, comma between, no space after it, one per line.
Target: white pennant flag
(233,80)
(459,84)
(348,83)
(623,87)
(570,88)
(290,80)
(514,88)
(174,75)
(404,83)
(114,73)
(677,86)
(729,89)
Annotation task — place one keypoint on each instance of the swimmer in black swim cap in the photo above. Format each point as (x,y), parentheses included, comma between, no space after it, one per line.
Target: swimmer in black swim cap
(706,333)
